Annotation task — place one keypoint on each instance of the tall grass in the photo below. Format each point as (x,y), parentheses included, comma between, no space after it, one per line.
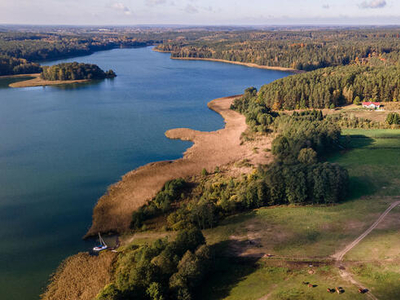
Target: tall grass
(80,277)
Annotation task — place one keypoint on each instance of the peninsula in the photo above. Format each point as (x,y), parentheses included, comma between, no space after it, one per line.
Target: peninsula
(113,212)
(65,73)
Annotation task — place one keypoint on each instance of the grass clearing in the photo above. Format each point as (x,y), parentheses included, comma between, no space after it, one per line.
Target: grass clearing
(315,233)
(275,279)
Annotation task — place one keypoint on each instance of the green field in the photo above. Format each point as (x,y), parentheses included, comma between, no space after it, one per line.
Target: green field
(298,236)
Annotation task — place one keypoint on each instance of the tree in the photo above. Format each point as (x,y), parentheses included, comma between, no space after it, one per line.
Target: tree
(357,100)
(190,239)
(155,291)
(307,156)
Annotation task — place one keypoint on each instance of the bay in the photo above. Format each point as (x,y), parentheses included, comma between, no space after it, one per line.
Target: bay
(61,147)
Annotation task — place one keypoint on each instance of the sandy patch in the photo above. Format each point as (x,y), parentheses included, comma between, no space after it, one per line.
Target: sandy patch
(37,81)
(210,149)
(18,75)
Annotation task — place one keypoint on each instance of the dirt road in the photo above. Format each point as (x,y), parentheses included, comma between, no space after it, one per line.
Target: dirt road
(339,255)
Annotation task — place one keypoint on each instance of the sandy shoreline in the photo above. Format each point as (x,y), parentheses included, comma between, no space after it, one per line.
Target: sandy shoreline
(37,81)
(113,211)
(18,75)
(250,65)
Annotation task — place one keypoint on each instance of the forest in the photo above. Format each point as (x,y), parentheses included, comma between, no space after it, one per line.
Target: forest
(12,66)
(20,52)
(301,50)
(162,270)
(332,87)
(75,71)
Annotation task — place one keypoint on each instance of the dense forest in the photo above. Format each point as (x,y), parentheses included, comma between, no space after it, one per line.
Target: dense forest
(330,87)
(302,50)
(75,71)
(19,51)
(47,46)
(162,270)
(24,48)
(12,66)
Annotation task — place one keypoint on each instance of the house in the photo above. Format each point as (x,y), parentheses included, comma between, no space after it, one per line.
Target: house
(371,105)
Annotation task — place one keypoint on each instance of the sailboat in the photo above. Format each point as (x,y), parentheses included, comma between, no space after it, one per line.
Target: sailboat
(102,246)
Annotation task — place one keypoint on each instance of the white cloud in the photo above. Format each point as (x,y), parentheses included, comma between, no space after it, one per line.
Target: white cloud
(122,8)
(373,4)
(325,6)
(190,9)
(155,2)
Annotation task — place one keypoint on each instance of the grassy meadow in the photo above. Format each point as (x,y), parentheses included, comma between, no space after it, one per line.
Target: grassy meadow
(300,236)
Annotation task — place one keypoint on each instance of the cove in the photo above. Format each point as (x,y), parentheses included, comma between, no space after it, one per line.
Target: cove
(61,147)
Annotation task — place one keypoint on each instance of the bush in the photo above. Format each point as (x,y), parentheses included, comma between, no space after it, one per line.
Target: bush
(357,100)
(393,119)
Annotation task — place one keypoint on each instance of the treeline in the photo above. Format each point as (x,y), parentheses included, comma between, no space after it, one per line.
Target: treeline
(331,87)
(162,270)
(14,66)
(302,50)
(18,51)
(75,71)
(298,176)
(48,46)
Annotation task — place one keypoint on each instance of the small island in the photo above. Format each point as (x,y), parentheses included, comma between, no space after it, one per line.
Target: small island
(65,73)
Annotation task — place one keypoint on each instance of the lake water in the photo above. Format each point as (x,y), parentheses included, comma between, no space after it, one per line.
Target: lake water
(62,146)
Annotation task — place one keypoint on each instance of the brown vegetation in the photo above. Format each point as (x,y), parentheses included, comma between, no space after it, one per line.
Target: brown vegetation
(37,81)
(225,146)
(81,277)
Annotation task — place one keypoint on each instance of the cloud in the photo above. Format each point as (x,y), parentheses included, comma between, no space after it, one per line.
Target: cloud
(325,6)
(155,2)
(373,4)
(190,9)
(121,8)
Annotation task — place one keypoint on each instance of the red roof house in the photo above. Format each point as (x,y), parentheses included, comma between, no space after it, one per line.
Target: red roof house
(371,105)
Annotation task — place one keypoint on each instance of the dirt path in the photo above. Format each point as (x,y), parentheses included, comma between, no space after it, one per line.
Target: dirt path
(339,255)
(210,149)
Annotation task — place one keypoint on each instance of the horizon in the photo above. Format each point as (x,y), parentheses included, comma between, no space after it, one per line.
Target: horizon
(200,13)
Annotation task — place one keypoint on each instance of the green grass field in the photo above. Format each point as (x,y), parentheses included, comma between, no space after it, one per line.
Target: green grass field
(299,235)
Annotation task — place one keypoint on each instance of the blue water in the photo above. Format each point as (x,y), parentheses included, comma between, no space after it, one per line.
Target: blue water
(62,146)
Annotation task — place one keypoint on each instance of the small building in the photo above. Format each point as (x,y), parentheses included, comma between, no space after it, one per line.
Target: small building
(371,105)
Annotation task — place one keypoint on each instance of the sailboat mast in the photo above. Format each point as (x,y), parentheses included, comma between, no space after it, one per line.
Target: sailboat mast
(101,240)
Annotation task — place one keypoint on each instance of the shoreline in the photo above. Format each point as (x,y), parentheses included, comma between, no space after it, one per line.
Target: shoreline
(113,211)
(19,75)
(37,81)
(250,65)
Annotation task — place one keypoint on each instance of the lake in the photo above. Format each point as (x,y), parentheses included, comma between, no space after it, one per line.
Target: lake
(61,147)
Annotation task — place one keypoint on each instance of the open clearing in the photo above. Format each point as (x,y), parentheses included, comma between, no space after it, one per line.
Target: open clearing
(300,236)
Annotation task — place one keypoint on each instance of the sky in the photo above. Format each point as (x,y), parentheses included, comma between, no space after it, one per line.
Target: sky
(200,12)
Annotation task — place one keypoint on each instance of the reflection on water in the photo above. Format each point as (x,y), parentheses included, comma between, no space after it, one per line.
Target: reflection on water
(6,81)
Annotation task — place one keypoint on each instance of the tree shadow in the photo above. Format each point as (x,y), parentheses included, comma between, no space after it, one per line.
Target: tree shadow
(227,270)
(77,85)
(358,185)
(356,141)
